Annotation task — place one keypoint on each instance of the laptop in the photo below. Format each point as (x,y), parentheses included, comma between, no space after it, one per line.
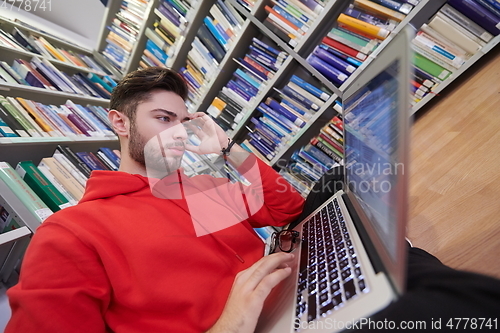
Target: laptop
(350,259)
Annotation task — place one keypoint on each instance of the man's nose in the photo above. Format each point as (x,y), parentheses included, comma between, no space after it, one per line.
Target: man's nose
(179,132)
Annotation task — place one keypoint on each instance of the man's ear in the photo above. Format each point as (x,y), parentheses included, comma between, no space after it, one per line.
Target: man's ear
(120,122)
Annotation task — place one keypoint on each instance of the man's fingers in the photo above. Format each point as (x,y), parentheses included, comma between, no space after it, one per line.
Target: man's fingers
(270,281)
(265,266)
(197,115)
(192,148)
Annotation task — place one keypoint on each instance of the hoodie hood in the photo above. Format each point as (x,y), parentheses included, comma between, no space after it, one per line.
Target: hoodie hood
(106,184)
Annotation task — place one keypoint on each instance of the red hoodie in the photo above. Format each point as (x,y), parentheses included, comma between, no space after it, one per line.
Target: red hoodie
(124,260)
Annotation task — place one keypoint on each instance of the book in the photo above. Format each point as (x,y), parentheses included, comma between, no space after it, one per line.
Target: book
(290,39)
(211,43)
(223,42)
(297,89)
(341,55)
(310,88)
(334,61)
(436,56)
(478,14)
(105,161)
(46,129)
(337,77)
(343,48)
(291,27)
(430,67)
(399,6)
(449,29)
(379,9)
(63,176)
(90,160)
(352,40)
(490,6)
(367,28)
(371,18)
(41,186)
(27,196)
(466,22)
(5,130)
(274,105)
(57,184)
(73,159)
(11,121)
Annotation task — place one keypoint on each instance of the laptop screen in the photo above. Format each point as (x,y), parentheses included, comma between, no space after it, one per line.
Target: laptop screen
(371,156)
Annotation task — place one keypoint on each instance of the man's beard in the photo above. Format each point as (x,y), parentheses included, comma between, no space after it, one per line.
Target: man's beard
(150,154)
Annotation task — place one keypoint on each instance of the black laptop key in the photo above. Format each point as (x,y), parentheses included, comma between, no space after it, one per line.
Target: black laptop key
(357,272)
(311,288)
(311,308)
(362,285)
(332,265)
(322,286)
(321,276)
(349,289)
(354,260)
(343,263)
(321,266)
(345,274)
(341,255)
(302,286)
(334,287)
(335,301)
(323,297)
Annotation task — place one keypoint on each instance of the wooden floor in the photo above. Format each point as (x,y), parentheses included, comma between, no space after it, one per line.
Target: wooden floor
(455,172)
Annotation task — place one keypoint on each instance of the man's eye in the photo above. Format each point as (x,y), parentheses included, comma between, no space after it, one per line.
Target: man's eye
(165,119)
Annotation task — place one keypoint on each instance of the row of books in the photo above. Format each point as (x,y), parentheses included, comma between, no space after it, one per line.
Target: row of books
(460,29)
(214,38)
(17,40)
(255,69)
(308,164)
(249,5)
(40,73)
(290,20)
(21,117)
(358,32)
(281,118)
(167,33)
(57,181)
(124,32)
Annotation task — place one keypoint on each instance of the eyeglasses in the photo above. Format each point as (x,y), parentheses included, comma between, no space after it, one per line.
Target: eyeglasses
(284,240)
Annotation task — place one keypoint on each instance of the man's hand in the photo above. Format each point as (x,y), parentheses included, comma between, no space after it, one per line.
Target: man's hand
(250,289)
(212,136)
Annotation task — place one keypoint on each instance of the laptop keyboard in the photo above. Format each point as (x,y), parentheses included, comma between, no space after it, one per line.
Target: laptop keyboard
(330,274)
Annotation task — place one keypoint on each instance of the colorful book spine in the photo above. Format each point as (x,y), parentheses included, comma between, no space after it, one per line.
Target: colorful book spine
(42,186)
(478,14)
(331,73)
(367,28)
(27,196)
(430,67)
(380,9)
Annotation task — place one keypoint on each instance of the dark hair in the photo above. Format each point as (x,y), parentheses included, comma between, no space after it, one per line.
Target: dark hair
(136,86)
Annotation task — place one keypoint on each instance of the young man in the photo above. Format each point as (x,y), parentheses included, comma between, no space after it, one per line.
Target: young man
(131,257)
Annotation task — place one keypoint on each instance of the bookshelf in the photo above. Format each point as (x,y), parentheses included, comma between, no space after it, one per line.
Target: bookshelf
(14,150)
(297,62)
